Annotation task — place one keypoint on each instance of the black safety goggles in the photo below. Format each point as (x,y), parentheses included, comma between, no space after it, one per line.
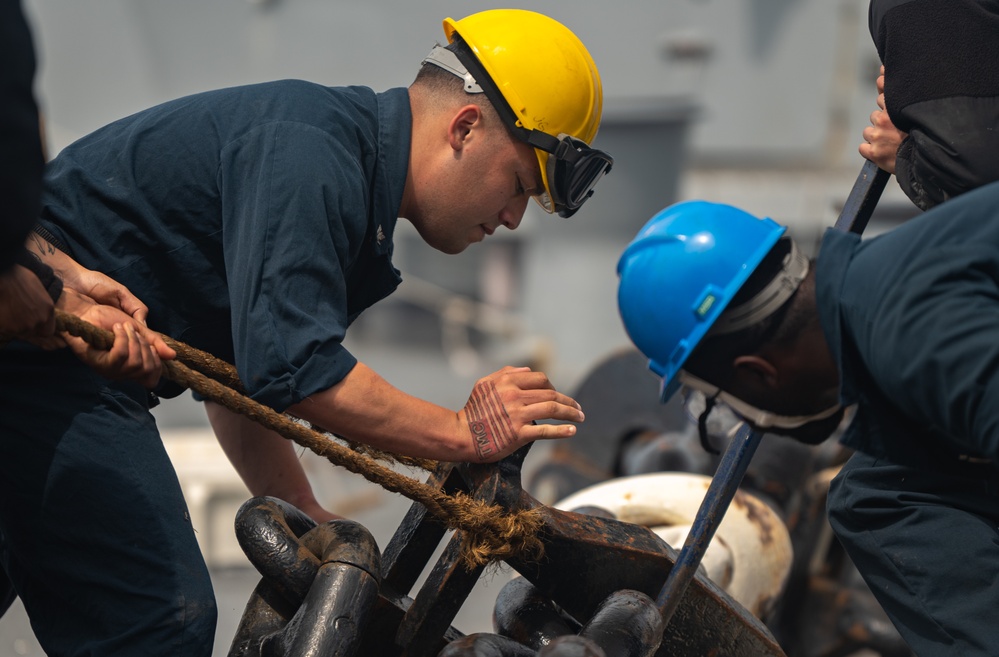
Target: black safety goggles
(574,168)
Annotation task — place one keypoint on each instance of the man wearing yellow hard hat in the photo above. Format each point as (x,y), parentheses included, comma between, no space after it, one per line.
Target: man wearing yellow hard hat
(257,223)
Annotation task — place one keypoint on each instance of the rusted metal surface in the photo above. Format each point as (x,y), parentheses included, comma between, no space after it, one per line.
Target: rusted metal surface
(436,604)
(331,619)
(486,645)
(587,559)
(523,614)
(591,564)
(571,646)
(320,583)
(416,539)
(627,624)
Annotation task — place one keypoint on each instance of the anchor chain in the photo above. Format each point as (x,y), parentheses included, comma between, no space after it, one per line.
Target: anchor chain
(319,586)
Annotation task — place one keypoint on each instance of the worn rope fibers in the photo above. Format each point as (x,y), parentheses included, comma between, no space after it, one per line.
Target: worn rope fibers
(490,534)
(224,373)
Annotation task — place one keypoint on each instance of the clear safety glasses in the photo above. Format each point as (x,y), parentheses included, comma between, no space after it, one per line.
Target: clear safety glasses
(696,392)
(573,169)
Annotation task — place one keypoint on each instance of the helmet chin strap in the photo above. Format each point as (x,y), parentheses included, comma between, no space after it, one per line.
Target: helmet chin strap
(759,418)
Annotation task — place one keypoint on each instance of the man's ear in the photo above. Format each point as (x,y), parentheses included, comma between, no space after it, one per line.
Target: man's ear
(756,370)
(461,125)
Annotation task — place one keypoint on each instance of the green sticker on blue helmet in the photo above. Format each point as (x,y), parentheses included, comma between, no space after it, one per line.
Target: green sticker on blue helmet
(705,306)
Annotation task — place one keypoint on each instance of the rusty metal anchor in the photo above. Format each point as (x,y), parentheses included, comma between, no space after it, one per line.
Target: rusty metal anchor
(588,560)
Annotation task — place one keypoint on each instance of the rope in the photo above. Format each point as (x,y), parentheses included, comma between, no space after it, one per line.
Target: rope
(490,533)
(225,373)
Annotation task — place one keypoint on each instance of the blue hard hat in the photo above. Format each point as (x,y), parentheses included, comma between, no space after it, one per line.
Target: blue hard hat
(681,271)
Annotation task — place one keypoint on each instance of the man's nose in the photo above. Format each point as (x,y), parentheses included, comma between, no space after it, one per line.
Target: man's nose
(513,213)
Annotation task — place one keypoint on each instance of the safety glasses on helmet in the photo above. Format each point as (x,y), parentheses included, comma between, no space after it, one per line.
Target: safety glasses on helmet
(573,168)
(695,391)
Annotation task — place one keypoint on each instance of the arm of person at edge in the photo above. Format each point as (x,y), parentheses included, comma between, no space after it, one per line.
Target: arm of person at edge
(942,92)
(882,139)
(26,309)
(137,352)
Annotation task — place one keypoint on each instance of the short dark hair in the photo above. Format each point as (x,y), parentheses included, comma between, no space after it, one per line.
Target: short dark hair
(438,81)
(715,353)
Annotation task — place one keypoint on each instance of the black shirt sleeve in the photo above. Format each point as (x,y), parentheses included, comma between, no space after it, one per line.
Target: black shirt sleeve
(941,62)
(21,158)
(45,274)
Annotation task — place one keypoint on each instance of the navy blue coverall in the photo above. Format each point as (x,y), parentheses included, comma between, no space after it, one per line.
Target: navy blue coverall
(912,317)
(256,223)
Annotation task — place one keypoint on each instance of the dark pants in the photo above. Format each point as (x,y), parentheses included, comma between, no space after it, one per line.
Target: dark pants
(94,531)
(927,544)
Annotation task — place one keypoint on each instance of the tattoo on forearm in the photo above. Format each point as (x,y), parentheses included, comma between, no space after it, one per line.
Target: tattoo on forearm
(491,428)
(44,247)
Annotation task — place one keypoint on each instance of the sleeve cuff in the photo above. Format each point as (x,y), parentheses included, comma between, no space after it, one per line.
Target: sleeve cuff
(48,278)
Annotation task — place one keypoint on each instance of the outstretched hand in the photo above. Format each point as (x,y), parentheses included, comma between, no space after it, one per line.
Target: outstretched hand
(882,139)
(503,409)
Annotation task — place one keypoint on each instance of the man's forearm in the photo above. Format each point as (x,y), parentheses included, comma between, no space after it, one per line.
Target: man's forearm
(66,267)
(367,409)
(266,462)
(504,412)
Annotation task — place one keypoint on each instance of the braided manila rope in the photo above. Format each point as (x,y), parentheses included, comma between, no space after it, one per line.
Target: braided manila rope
(489,533)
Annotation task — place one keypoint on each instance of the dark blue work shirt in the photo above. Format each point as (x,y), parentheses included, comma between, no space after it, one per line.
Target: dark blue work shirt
(255,222)
(912,318)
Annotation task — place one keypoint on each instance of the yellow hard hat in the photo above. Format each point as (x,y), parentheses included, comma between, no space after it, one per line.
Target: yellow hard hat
(552,87)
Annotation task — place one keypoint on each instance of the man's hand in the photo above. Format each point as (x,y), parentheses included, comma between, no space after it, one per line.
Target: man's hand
(99,287)
(882,139)
(137,352)
(504,406)
(109,292)
(26,309)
